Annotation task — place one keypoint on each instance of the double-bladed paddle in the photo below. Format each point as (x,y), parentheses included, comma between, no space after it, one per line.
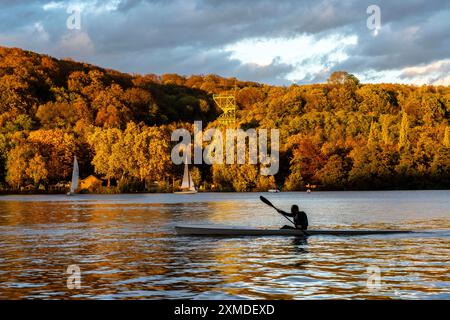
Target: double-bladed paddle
(271,205)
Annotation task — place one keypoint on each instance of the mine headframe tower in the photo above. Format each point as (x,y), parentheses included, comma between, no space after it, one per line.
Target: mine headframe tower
(226,102)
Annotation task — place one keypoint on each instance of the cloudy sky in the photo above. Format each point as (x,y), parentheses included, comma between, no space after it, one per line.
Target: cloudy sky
(276,41)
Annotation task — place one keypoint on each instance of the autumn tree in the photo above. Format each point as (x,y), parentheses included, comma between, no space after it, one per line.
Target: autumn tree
(17,164)
(343,78)
(333,174)
(339,135)
(403,142)
(102,142)
(36,169)
(59,148)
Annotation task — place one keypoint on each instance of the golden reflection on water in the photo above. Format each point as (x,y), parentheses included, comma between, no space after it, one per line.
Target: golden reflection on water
(129,250)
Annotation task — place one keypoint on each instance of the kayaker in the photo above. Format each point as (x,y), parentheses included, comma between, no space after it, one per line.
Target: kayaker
(300,218)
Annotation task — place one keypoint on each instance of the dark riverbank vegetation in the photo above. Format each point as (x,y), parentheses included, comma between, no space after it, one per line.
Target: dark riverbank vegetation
(339,135)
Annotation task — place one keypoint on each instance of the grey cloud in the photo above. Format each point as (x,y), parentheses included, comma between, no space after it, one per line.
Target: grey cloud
(189,60)
(414,37)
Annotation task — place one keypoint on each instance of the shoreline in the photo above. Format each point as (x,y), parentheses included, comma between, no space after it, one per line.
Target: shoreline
(209,191)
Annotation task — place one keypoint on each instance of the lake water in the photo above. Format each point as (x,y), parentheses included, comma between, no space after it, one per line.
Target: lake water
(126,247)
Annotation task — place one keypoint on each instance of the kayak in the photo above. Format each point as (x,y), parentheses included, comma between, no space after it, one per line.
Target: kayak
(241,231)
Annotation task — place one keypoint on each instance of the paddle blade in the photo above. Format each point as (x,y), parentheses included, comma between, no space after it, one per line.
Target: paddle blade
(266,201)
(270,204)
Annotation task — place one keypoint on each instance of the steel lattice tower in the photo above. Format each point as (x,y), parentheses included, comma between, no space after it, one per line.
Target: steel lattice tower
(227,103)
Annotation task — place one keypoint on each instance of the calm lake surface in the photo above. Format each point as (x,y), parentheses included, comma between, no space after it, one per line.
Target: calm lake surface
(126,247)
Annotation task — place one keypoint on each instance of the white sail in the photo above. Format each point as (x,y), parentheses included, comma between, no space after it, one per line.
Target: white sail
(191,183)
(186,183)
(75,176)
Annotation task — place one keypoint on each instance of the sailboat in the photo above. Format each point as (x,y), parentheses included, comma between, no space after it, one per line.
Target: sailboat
(75,176)
(187,186)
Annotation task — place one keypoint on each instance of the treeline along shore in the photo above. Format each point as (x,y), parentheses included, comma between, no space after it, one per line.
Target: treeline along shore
(339,135)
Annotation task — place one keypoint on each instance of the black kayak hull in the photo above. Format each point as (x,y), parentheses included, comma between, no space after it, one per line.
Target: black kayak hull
(232,231)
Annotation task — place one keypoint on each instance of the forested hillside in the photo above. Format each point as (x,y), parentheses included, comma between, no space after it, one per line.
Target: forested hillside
(339,135)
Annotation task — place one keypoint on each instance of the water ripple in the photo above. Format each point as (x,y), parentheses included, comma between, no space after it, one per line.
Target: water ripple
(126,247)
